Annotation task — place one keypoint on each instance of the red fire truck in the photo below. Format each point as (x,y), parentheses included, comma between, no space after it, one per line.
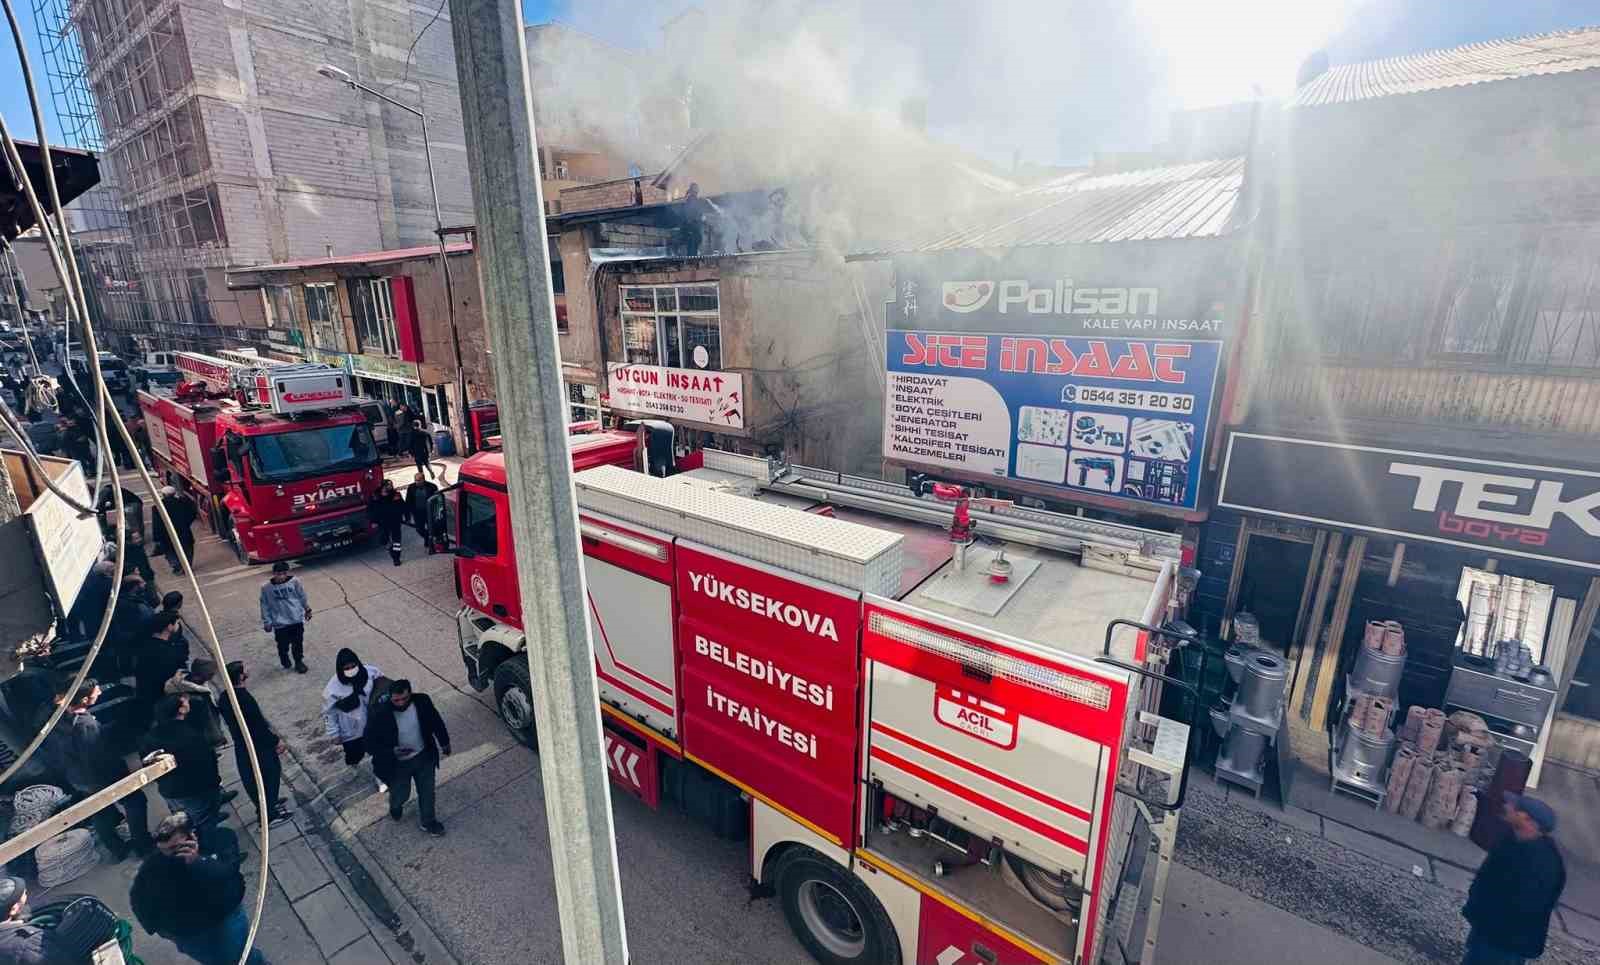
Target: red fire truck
(276,450)
(933,716)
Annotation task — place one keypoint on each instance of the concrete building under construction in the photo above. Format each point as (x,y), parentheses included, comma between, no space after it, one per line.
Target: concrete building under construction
(229,149)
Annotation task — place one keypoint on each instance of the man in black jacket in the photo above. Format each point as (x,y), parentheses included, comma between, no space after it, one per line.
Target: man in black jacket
(406,737)
(79,753)
(263,738)
(193,898)
(1516,888)
(421,447)
(417,495)
(388,512)
(22,942)
(194,786)
(182,510)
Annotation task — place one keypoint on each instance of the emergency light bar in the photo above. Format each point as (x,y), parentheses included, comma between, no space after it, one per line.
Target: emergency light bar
(1067,686)
(622,541)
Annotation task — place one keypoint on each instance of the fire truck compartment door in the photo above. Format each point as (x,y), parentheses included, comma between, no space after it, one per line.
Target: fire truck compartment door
(1005,742)
(770,684)
(629,575)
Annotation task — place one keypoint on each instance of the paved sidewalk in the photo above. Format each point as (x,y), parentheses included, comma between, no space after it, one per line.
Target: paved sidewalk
(1389,897)
(312,914)
(328,899)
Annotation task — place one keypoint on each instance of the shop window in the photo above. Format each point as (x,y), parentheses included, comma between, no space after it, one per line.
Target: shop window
(679,326)
(1500,609)
(435,407)
(322,314)
(280,308)
(374,311)
(583,402)
(558,281)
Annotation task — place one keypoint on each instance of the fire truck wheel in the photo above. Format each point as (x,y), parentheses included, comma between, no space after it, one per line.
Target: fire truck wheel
(513,698)
(835,917)
(238,548)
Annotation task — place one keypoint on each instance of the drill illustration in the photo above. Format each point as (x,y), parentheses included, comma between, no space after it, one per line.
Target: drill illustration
(1086,466)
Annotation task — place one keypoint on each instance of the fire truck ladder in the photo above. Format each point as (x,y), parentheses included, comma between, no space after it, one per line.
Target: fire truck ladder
(1100,543)
(1143,837)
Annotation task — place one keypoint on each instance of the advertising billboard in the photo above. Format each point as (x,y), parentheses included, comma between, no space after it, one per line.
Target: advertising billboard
(1097,382)
(1538,512)
(692,395)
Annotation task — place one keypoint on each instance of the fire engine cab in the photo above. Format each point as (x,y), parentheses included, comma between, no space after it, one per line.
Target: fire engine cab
(277,452)
(933,716)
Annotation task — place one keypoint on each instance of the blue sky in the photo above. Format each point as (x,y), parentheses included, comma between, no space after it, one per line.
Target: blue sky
(1059,79)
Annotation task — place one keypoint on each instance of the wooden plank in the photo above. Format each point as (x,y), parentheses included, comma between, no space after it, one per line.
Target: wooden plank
(1241,547)
(1563,614)
(1298,698)
(1333,641)
(1579,640)
(1306,588)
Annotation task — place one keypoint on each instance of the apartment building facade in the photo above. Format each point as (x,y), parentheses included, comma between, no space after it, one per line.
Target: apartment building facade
(230,149)
(384,318)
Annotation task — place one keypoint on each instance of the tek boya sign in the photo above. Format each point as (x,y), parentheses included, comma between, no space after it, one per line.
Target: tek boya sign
(1540,512)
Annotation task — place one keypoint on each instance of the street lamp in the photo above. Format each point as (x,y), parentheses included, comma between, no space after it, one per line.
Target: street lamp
(343,76)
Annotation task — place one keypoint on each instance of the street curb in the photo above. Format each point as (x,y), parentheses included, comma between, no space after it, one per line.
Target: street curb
(391,918)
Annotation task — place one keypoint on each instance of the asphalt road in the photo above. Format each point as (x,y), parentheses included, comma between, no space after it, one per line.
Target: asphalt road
(486,887)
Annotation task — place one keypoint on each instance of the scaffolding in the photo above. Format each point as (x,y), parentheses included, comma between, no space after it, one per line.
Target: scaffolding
(121,84)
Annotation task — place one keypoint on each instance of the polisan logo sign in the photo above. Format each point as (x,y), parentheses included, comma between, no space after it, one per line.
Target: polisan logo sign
(1017,296)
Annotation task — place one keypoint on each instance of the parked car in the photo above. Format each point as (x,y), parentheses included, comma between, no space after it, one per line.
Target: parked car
(378,413)
(147,377)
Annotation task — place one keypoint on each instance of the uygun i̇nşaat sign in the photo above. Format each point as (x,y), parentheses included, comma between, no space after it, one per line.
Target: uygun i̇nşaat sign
(690,395)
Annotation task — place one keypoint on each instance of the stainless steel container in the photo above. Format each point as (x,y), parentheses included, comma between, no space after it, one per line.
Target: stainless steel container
(1365,756)
(1243,750)
(1261,684)
(1377,673)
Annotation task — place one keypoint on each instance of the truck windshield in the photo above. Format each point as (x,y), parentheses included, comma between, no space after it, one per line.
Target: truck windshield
(285,456)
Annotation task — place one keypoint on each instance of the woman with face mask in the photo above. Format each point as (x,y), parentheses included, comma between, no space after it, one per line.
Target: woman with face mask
(344,702)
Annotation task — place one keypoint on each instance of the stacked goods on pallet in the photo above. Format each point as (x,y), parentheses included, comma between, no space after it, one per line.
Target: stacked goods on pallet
(1439,766)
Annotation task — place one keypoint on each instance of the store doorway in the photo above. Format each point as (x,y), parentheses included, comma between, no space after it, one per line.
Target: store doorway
(1272,587)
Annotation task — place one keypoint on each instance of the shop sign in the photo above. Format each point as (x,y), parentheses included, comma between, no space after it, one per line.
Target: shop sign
(338,360)
(689,395)
(286,340)
(1537,512)
(1122,417)
(384,369)
(1177,293)
(1070,371)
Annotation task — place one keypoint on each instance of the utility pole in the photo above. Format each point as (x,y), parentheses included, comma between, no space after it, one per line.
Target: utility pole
(519,311)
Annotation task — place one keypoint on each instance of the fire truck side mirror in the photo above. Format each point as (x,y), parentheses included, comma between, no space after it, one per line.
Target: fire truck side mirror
(219,463)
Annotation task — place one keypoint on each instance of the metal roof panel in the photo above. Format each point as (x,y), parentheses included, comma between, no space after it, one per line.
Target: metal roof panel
(1506,59)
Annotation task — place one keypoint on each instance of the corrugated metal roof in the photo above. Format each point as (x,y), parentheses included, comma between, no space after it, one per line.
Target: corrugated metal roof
(1180,201)
(362,258)
(1513,57)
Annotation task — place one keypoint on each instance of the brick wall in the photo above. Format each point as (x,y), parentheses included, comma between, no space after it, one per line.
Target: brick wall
(313,221)
(610,194)
(618,234)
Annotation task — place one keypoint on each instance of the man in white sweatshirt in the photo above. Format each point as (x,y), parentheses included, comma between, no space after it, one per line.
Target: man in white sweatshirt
(285,611)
